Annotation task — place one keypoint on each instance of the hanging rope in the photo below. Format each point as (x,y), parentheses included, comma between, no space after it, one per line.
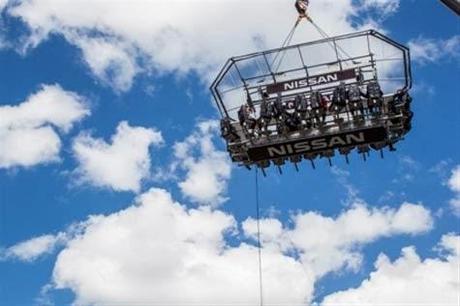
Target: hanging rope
(284,51)
(340,51)
(259,245)
(326,36)
(286,43)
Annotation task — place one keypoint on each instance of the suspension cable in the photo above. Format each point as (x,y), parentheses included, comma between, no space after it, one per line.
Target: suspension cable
(290,35)
(326,36)
(259,245)
(284,51)
(286,42)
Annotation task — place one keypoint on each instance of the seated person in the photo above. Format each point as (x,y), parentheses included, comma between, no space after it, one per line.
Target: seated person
(292,109)
(374,97)
(246,117)
(227,131)
(339,99)
(303,111)
(266,113)
(318,107)
(287,118)
(354,96)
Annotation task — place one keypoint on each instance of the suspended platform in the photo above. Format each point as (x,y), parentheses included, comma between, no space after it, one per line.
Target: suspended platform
(315,100)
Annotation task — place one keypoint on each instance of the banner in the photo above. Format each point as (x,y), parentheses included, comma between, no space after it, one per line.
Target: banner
(312,81)
(317,144)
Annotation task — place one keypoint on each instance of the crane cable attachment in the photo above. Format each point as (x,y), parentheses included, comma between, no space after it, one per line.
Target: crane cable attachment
(321,32)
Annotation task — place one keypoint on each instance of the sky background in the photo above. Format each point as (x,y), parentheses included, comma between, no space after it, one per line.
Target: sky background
(115,188)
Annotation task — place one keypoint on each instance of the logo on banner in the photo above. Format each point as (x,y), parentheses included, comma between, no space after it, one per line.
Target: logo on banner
(312,81)
(317,144)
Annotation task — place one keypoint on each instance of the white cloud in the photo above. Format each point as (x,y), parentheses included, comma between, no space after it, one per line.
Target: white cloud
(32,249)
(409,280)
(27,147)
(384,7)
(207,169)
(158,252)
(150,251)
(121,164)
(454,185)
(424,89)
(454,181)
(3,4)
(110,60)
(327,244)
(428,50)
(177,36)
(27,131)
(343,179)
(3,43)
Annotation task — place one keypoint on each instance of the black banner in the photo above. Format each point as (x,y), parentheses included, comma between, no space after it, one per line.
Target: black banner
(315,80)
(317,144)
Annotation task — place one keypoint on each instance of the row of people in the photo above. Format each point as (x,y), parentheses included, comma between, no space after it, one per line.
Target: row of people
(302,112)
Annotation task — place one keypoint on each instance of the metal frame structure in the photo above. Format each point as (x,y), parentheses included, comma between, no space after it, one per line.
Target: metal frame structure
(265,74)
(273,75)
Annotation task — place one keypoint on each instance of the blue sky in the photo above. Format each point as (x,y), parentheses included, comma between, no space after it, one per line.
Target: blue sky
(79,206)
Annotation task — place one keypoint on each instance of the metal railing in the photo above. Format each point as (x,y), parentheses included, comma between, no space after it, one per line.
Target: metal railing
(232,68)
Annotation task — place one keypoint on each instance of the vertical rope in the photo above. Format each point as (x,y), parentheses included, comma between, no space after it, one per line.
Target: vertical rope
(325,35)
(284,51)
(259,245)
(285,42)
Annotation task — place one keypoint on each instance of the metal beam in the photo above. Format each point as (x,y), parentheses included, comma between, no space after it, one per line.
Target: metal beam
(454,5)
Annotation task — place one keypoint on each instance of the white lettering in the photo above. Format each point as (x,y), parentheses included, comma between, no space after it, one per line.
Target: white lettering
(351,138)
(289,86)
(319,144)
(316,144)
(302,147)
(333,77)
(322,79)
(273,151)
(336,141)
(303,83)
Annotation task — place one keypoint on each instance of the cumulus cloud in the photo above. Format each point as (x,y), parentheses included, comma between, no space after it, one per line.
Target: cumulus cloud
(121,164)
(28,131)
(111,61)
(409,280)
(427,50)
(158,252)
(117,38)
(207,169)
(152,250)
(3,3)
(384,7)
(454,185)
(326,244)
(32,249)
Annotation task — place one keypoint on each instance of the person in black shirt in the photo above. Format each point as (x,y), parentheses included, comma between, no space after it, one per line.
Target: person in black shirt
(303,111)
(318,108)
(266,113)
(247,119)
(339,99)
(227,131)
(374,97)
(354,96)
